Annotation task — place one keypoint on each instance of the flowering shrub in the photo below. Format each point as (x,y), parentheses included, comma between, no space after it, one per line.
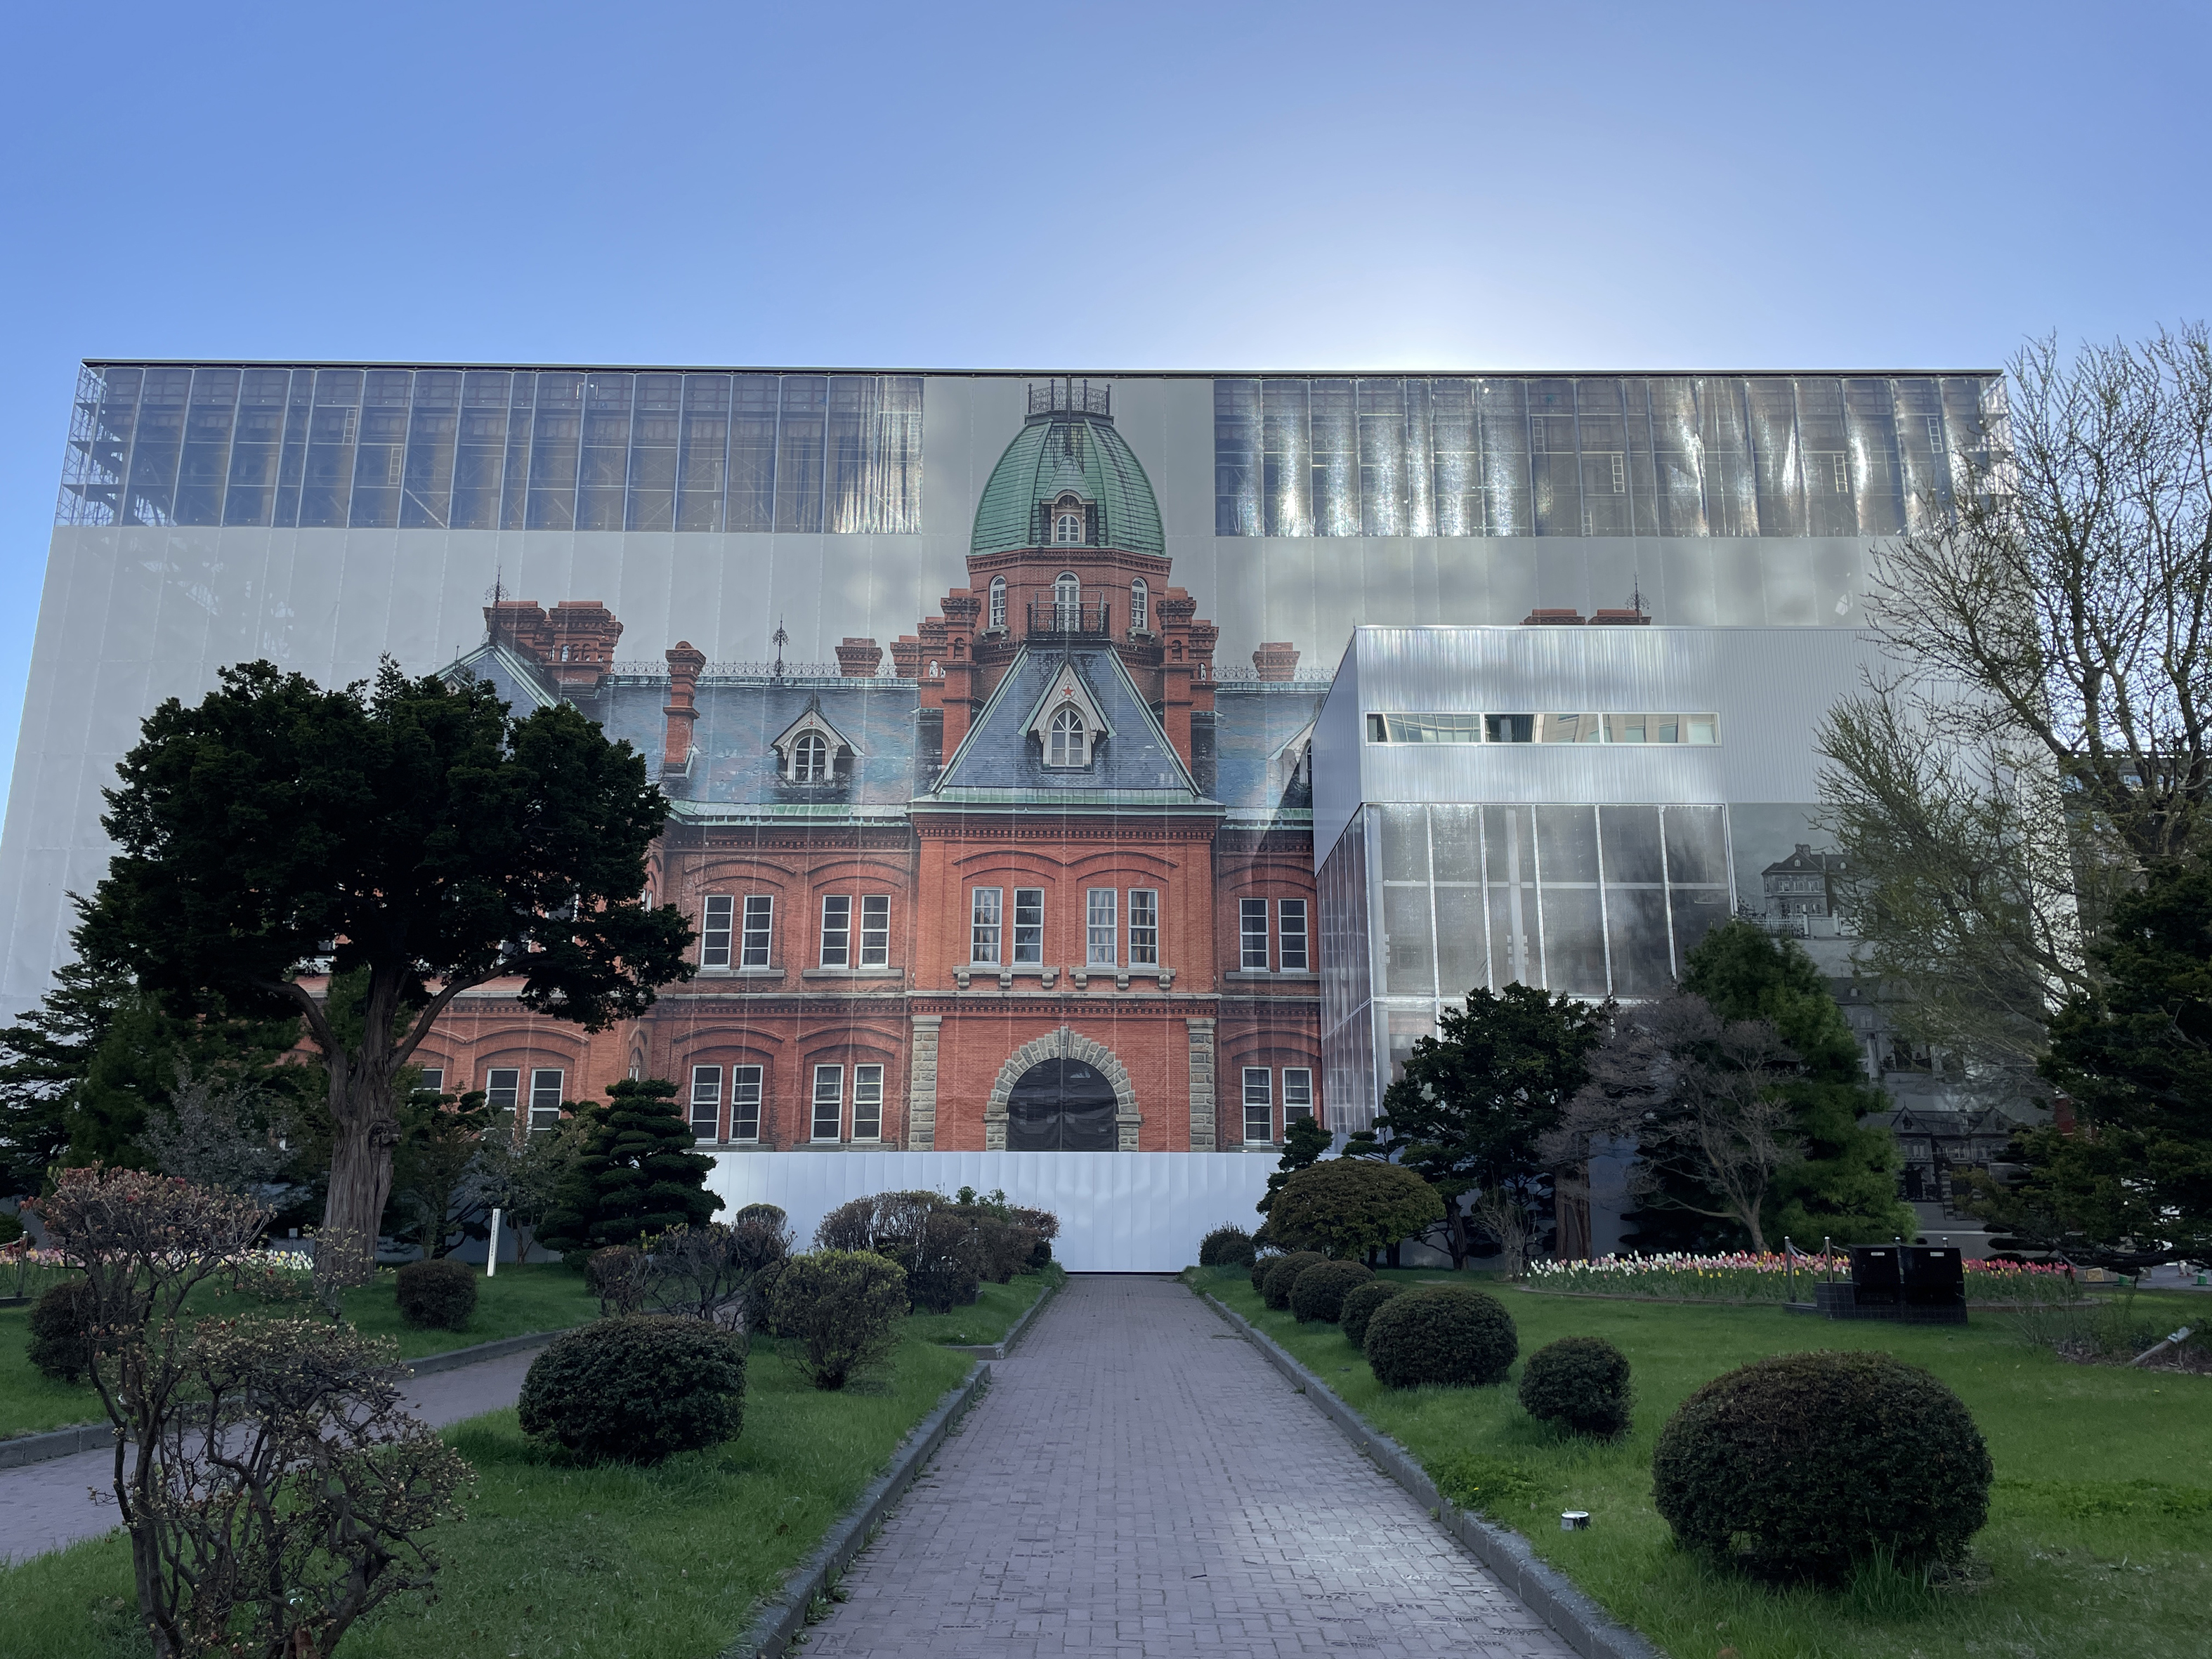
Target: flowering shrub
(1745,1276)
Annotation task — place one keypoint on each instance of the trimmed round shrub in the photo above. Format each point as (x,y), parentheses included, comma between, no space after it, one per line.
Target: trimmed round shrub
(440,1294)
(1451,1336)
(60,1321)
(1809,1466)
(1347,1206)
(1275,1289)
(636,1389)
(1360,1305)
(1226,1247)
(1319,1292)
(842,1308)
(1580,1383)
(1262,1265)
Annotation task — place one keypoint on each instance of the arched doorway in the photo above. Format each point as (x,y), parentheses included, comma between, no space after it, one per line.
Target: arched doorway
(1062,1106)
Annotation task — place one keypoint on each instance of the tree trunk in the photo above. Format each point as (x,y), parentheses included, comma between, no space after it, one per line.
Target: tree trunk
(361,1179)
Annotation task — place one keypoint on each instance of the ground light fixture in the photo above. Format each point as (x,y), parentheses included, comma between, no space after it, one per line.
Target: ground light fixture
(1574,1520)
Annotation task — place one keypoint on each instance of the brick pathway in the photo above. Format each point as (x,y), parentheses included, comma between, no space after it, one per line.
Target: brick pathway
(1138,1481)
(48,1506)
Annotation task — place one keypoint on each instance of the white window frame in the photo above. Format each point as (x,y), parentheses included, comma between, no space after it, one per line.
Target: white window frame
(546,1097)
(1298,1094)
(1029,927)
(1102,927)
(715,919)
(1068,741)
(707,1092)
(997,613)
(987,922)
(758,940)
(1066,601)
(1248,911)
(836,930)
(1293,942)
(434,1080)
(829,1092)
(503,1097)
(744,1103)
(1144,928)
(811,759)
(1258,1099)
(1140,606)
(875,930)
(1067,526)
(868,1103)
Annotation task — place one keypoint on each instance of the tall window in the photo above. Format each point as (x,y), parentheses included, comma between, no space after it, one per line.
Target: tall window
(868,1103)
(744,1103)
(1259,1106)
(433,1080)
(503,1092)
(545,1099)
(829,1100)
(1101,927)
(1066,748)
(810,758)
(1029,927)
(714,931)
(1068,527)
(986,916)
(875,930)
(1140,604)
(1252,935)
(1291,936)
(706,1103)
(1144,928)
(1067,602)
(837,929)
(1297,1093)
(997,603)
(760,918)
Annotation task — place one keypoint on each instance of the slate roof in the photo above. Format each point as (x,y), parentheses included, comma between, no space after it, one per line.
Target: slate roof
(1000,763)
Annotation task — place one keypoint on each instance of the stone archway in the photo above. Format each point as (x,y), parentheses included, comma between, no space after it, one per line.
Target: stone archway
(1066,1043)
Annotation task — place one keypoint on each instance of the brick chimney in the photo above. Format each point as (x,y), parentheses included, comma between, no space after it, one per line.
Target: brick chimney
(963,607)
(684,665)
(859,659)
(1622,618)
(906,657)
(1276,661)
(1567,618)
(574,644)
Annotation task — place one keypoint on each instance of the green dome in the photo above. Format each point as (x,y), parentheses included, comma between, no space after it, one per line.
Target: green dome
(1056,454)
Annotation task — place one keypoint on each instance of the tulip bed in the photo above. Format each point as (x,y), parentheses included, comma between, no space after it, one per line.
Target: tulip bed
(1744,1276)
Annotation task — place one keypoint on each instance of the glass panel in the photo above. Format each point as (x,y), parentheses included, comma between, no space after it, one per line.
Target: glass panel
(752,454)
(544,1099)
(1145,929)
(702,464)
(1508,728)
(875,930)
(604,462)
(1291,936)
(714,930)
(799,440)
(1677,457)
(1456,843)
(1405,844)
(1696,849)
(1772,408)
(760,916)
(899,458)
(1574,941)
(986,915)
(1381,406)
(706,1103)
(837,929)
(1553,463)
(1635,924)
(1566,843)
(256,446)
(1101,932)
(299,416)
(656,423)
(1252,935)
(1508,847)
(1870,426)
(868,1103)
(1921,447)
(379,461)
(852,427)
(1408,952)
(744,1103)
(1235,457)
(1259,1106)
(326,485)
(1432,728)
(206,464)
(1297,1092)
(1462,943)
(829,1100)
(1831,495)
(1630,836)
(1602,433)
(1696,911)
(1506,490)
(1335,458)
(1457,466)
(503,1090)
(1029,926)
(556,444)
(433,431)
(151,491)
(513,492)
(1731,489)
(1286,459)
(480,449)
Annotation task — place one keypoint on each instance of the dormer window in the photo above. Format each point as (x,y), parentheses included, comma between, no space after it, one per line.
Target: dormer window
(810,748)
(1140,606)
(1067,525)
(997,603)
(810,759)
(1069,744)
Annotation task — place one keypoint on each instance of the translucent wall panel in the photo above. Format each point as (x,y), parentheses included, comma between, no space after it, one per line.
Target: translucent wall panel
(1592,455)
(492,448)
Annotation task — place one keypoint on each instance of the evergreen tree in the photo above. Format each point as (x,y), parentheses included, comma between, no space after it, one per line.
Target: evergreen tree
(1845,1187)
(1303,1144)
(638,1173)
(43,1057)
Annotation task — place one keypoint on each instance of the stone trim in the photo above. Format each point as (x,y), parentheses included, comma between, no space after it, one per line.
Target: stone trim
(921,1083)
(1066,1043)
(1203,1134)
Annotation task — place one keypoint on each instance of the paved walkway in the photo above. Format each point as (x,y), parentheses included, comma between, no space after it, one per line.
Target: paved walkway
(45,1506)
(1140,1482)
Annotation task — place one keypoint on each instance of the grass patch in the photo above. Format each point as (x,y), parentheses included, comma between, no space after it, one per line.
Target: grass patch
(539,1298)
(2099,1540)
(558,1559)
(994,1313)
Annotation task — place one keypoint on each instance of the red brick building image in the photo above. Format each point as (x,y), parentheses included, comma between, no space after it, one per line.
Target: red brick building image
(1046,885)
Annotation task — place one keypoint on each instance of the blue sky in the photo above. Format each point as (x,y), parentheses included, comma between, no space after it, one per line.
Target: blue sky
(1134,185)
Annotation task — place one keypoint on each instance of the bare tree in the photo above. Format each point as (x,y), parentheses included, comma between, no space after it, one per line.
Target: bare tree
(215,1134)
(1697,1095)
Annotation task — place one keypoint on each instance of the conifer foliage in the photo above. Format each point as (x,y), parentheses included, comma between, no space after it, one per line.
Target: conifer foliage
(638,1173)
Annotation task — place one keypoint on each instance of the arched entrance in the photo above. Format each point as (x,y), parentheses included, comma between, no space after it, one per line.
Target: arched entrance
(1062,1106)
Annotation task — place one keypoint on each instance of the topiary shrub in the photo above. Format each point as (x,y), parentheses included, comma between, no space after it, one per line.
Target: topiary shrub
(59,1322)
(1319,1293)
(1275,1289)
(1262,1265)
(1809,1466)
(1580,1383)
(1360,1305)
(440,1294)
(636,1389)
(1347,1207)
(1226,1247)
(1452,1336)
(842,1308)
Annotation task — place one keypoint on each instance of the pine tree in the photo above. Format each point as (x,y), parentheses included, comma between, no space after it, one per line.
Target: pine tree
(638,1173)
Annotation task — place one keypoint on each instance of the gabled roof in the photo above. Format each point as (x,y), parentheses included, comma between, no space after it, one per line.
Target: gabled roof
(812,719)
(999,764)
(522,685)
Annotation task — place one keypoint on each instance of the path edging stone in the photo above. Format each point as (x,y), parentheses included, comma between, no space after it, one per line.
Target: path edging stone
(783,1616)
(1004,1345)
(26,1449)
(1550,1594)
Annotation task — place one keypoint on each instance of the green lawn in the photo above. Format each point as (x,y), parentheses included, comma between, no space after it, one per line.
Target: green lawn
(2100,1526)
(993,1314)
(546,1298)
(555,1559)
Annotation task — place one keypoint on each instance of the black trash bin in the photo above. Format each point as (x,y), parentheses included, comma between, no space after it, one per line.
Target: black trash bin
(1877,1283)
(1934,1279)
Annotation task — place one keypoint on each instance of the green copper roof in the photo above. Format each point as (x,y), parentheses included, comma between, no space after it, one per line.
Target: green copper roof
(1060,452)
